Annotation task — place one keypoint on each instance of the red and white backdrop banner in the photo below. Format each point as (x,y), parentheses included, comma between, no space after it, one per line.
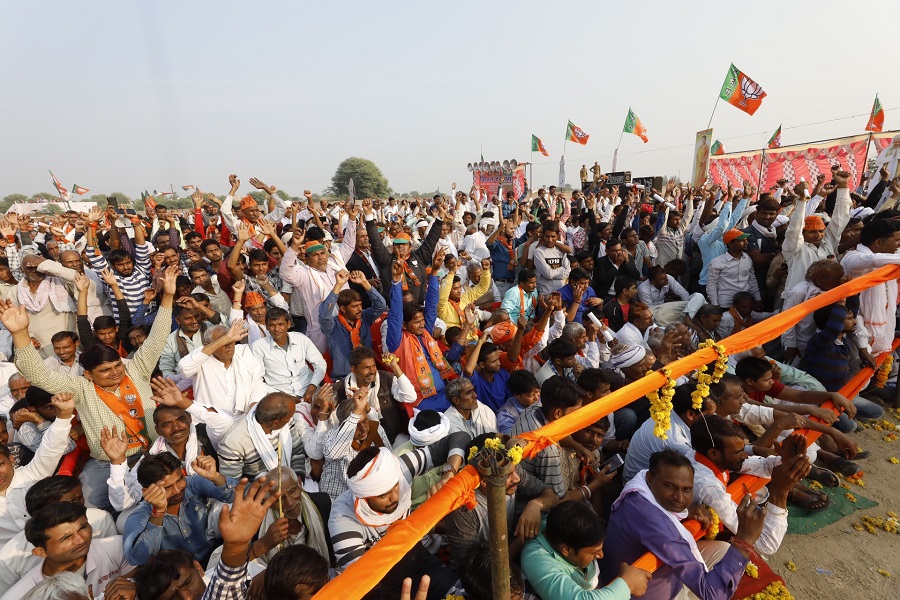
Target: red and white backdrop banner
(807,161)
(735,168)
(494,183)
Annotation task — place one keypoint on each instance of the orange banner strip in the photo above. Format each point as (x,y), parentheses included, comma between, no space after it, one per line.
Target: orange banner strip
(364,574)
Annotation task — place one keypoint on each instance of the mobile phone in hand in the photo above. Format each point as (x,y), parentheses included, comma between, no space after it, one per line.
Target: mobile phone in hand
(614,462)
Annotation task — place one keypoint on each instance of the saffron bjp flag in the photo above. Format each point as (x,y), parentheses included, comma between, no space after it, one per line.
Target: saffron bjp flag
(717,148)
(63,192)
(775,140)
(538,146)
(574,133)
(187,187)
(634,125)
(876,119)
(81,191)
(741,92)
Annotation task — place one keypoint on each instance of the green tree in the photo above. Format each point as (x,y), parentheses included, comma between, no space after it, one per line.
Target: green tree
(46,196)
(8,201)
(367,179)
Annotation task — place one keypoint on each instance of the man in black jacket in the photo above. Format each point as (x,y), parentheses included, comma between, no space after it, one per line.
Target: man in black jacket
(615,264)
(414,277)
(364,260)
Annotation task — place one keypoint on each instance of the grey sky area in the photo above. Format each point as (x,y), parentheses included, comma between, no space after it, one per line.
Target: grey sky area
(125,96)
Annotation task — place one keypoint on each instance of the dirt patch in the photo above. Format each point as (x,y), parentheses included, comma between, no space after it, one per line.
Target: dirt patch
(839,561)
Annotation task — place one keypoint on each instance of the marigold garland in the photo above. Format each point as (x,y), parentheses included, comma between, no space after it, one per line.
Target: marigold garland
(884,372)
(752,570)
(774,591)
(661,405)
(704,378)
(715,524)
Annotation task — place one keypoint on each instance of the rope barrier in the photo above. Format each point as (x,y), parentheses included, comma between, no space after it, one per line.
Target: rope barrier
(361,576)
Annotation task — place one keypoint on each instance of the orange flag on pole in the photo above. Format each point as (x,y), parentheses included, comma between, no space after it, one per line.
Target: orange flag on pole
(574,133)
(741,92)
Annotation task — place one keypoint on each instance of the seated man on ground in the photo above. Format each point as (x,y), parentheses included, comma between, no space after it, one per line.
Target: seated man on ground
(667,299)
(467,529)
(561,563)
(175,508)
(720,451)
(647,518)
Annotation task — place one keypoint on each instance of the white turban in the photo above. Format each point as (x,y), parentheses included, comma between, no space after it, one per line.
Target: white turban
(628,356)
(378,477)
(426,437)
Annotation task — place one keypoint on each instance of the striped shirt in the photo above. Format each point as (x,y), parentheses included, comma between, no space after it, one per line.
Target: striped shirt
(238,456)
(349,536)
(338,450)
(546,465)
(92,411)
(134,285)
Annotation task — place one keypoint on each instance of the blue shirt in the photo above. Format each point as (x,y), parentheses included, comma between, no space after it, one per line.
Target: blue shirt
(500,260)
(492,393)
(567,296)
(184,531)
(711,244)
(394,336)
(340,343)
(507,415)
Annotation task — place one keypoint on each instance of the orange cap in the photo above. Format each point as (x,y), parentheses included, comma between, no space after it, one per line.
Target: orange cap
(813,222)
(503,332)
(248,202)
(252,299)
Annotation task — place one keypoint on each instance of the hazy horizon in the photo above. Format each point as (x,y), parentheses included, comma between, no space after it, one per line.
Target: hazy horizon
(128,96)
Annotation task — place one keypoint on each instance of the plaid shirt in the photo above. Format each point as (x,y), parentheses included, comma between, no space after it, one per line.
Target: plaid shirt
(227,583)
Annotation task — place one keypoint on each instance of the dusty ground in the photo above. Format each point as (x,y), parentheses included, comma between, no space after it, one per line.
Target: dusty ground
(852,557)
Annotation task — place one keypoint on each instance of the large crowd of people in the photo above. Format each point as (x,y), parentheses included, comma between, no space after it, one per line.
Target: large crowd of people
(239,401)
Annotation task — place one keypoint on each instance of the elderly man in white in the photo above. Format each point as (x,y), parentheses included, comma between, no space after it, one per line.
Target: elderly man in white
(226,375)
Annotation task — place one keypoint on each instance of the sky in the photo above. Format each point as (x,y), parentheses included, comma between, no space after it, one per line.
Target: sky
(122,96)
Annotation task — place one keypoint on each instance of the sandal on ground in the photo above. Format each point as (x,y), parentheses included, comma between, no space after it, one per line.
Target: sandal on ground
(845,467)
(824,476)
(812,501)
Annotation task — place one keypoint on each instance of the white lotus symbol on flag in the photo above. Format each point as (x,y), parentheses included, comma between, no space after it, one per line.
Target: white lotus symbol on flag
(750,90)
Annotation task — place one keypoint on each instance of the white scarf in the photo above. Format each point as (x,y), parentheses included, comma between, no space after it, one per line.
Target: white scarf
(263,444)
(49,290)
(769,233)
(312,530)
(638,484)
(426,437)
(376,478)
(191,449)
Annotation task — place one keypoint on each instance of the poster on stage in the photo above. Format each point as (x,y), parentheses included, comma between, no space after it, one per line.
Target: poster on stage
(497,184)
(701,157)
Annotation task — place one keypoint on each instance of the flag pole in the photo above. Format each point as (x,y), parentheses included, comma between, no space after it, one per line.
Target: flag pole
(531,168)
(713,112)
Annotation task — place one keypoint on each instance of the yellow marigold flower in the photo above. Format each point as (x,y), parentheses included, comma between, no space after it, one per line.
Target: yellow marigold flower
(752,570)
(850,497)
(714,524)
(515,454)
(791,566)
(493,444)
(883,573)
(473,451)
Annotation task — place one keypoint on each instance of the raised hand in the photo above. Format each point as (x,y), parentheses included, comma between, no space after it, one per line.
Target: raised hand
(297,238)
(234,182)
(396,275)
(14,318)
(238,331)
(361,401)
(367,206)
(197,198)
(243,233)
(205,467)
(439,257)
(237,288)
(261,186)
(842,179)
(358,277)
(165,391)
(266,227)
(240,522)
(115,444)
(82,283)
(169,279)
(155,495)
